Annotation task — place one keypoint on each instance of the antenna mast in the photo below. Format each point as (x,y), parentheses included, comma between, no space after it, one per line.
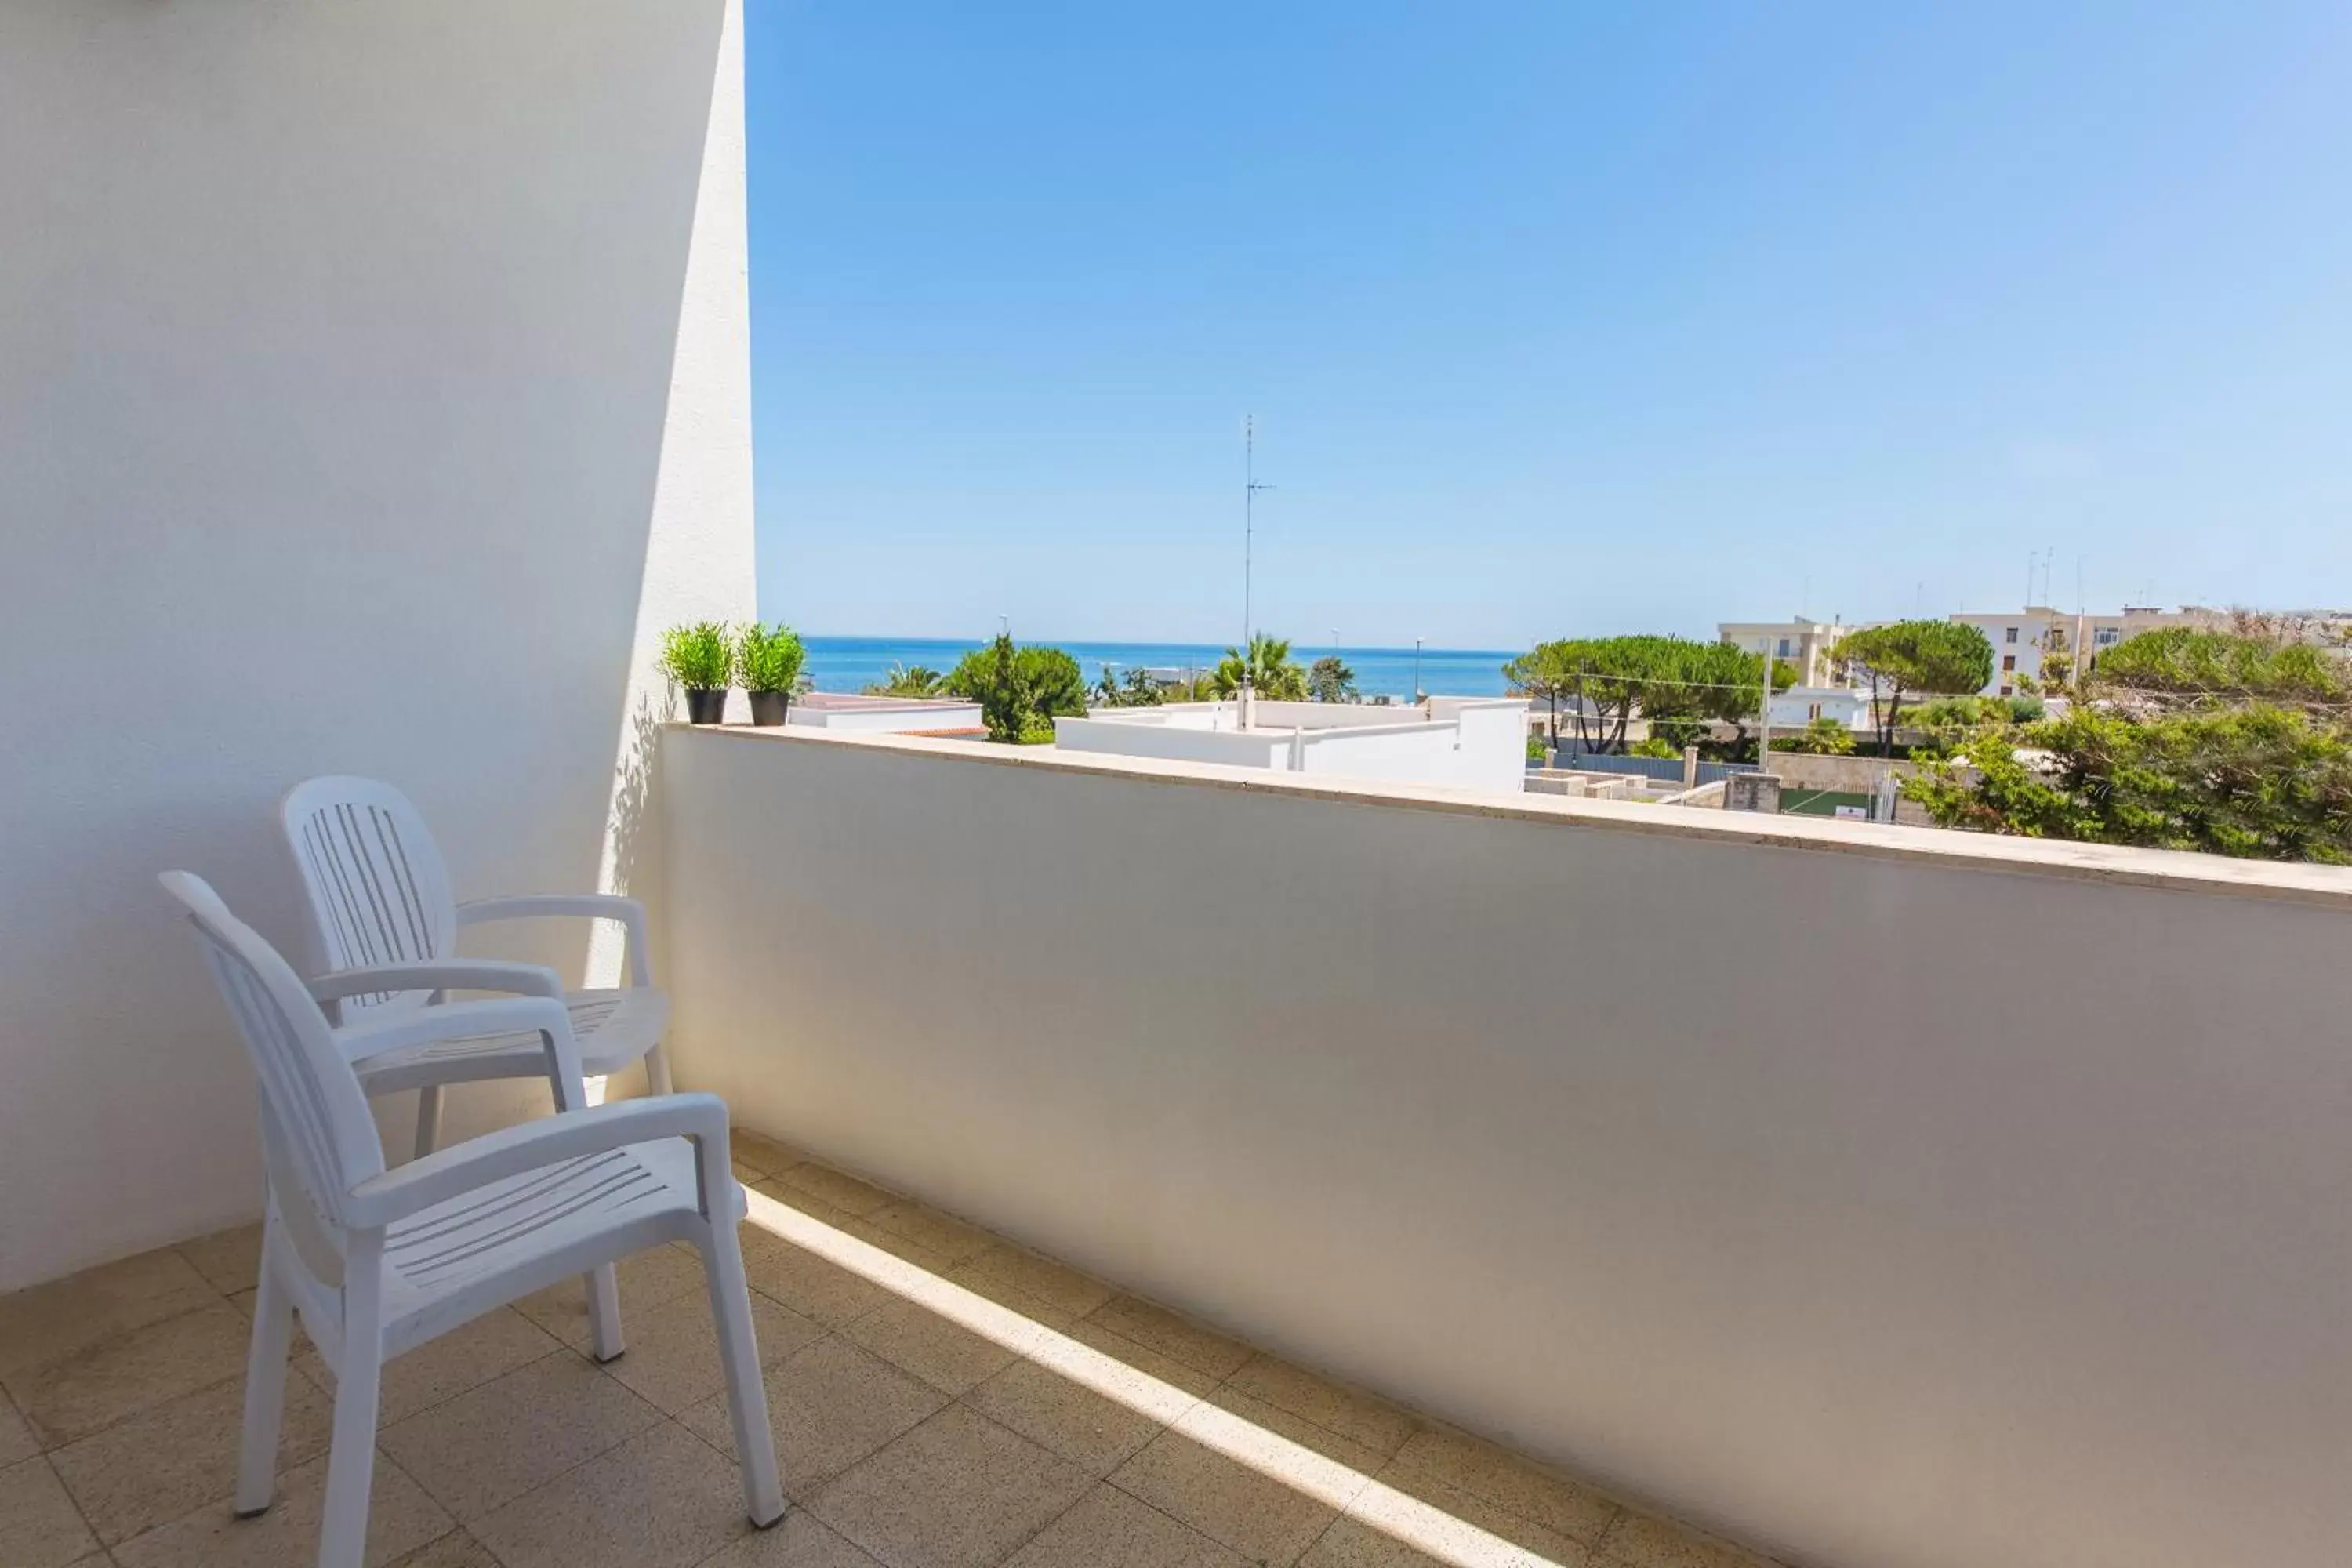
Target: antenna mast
(1250,487)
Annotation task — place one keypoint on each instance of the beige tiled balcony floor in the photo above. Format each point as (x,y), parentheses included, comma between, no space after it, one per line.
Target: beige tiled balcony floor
(941,1399)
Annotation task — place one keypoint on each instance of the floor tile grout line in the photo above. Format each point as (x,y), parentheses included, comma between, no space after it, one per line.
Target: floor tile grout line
(859,1316)
(277,1475)
(1421,1423)
(104,1340)
(79,1512)
(1238,1552)
(826,1480)
(179,1250)
(1022,1545)
(454,1529)
(1159,1427)
(1337,1518)
(381,1426)
(1618,1511)
(144,1411)
(467,1524)
(1216,1388)
(828,1483)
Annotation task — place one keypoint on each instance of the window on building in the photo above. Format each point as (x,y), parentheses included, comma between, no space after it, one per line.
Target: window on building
(2107,635)
(1784,648)
(2008,662)
(2011,635)
(1816,710)
(2004,690)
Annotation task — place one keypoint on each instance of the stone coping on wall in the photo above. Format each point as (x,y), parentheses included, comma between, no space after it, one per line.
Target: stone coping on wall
(2293,882)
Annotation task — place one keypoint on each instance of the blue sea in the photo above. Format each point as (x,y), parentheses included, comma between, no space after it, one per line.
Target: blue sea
(851,664)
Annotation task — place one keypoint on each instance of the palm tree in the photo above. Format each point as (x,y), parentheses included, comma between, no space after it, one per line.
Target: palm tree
(1272,671)
(908,680)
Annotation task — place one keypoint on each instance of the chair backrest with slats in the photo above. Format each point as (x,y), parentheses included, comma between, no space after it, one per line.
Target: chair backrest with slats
(377,887)
(318,1137)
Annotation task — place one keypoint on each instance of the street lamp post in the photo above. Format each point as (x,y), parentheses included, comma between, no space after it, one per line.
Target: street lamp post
(1416,670)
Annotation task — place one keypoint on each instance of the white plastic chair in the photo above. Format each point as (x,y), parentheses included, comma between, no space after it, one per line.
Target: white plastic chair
(384,923)
(378,1262)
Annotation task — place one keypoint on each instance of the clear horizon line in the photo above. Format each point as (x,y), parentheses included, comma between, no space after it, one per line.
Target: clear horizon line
(1147,642)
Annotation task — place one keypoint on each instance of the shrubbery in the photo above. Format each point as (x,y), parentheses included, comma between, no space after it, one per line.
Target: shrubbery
(1822,738)
(2257,781)
(2183,661)
(1968,712)
(1019,690)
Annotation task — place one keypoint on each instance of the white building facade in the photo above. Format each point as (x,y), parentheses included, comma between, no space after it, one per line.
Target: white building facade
(1806,644)
(854,713)
(2022,639)
(1799,706)
(1461,743)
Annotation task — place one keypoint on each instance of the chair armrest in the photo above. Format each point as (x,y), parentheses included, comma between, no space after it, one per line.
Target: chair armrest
(461,1168)
(590,906)
(457,1020)
(438,974)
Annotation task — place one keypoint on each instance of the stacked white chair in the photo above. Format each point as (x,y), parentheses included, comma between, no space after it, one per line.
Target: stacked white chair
(383,927)
(377,1262)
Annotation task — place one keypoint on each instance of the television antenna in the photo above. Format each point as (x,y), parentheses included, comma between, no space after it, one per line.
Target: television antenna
(1250,487)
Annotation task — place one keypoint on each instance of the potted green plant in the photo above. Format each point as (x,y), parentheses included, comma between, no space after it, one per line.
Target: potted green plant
(698,658)
(768,662)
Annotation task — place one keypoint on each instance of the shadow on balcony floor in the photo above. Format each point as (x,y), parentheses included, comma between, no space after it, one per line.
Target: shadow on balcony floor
(941,1399)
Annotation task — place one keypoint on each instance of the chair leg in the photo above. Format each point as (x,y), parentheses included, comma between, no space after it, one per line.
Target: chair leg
(264,1384)
(738,1356)
(657,1069)
(604,1313)
(359,1380)
(428,1118)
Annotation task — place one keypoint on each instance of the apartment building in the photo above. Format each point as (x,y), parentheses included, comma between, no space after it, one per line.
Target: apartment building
(2022,638)
(1807,644)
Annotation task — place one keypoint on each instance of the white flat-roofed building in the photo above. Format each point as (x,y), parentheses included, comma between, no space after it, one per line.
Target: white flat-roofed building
(1801,705)
(1462,742)
(855,714)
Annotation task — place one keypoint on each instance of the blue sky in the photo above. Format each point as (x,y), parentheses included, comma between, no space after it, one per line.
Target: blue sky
(1556,317)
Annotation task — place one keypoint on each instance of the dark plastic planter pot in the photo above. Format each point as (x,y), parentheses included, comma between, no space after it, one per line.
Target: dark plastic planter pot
(768,708)
(705,705)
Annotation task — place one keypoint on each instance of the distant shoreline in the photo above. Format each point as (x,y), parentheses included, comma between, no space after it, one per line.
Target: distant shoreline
(852,663)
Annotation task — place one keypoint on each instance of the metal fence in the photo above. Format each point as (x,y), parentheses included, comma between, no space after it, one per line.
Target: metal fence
(1665,770)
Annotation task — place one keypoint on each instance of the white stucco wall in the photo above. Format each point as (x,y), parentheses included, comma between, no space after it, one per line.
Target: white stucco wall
(1178,742)
(2042,1273)
(1475,744)
(887,719)
(359,410)
(1793,708)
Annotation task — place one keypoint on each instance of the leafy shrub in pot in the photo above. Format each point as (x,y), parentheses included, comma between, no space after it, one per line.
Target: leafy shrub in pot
(768,662)
(700,658)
